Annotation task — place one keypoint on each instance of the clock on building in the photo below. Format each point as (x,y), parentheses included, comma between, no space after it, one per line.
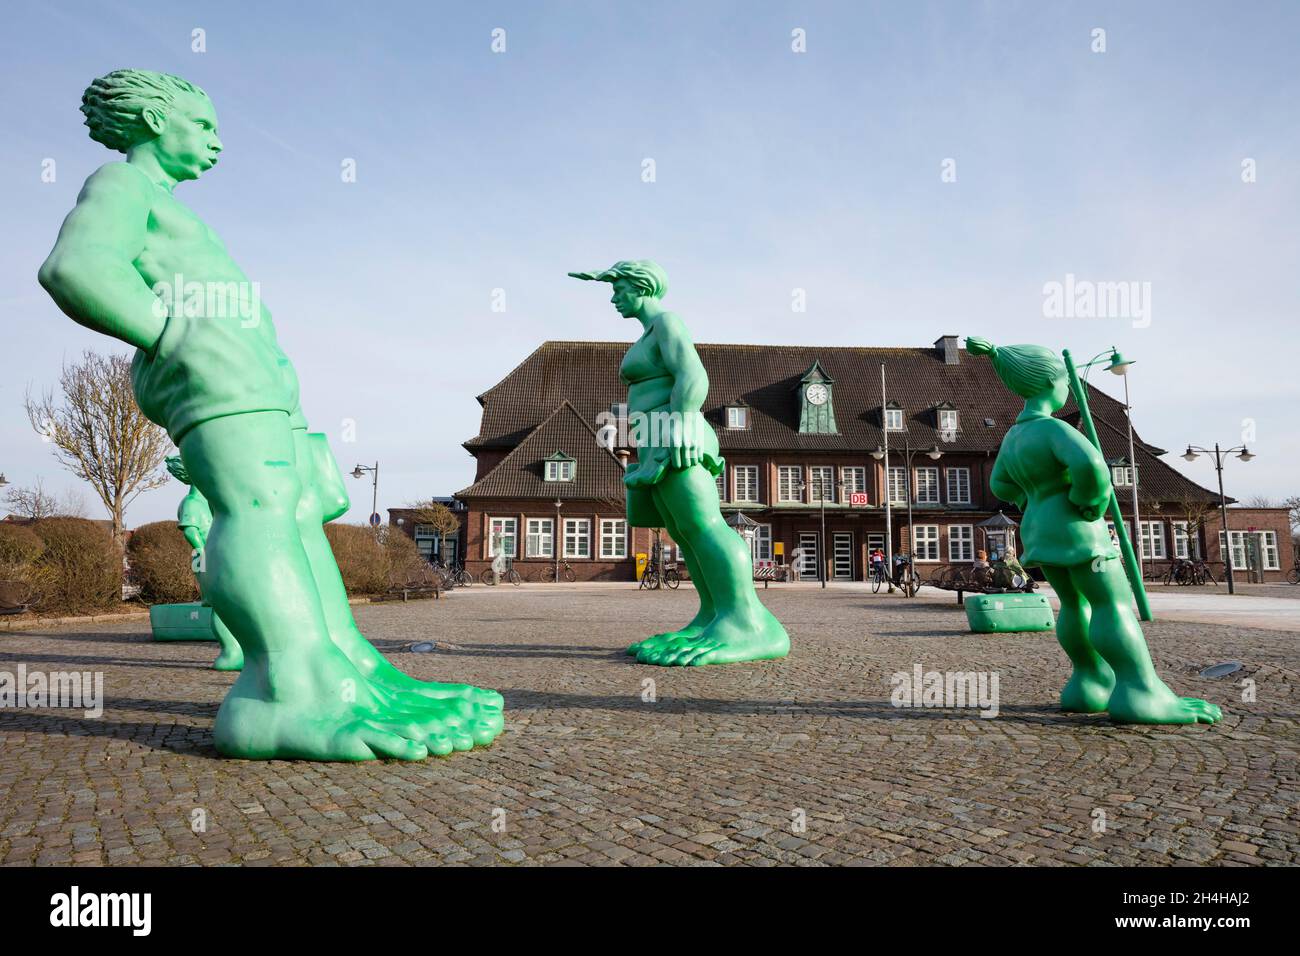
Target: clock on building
(817,411)
(817,394)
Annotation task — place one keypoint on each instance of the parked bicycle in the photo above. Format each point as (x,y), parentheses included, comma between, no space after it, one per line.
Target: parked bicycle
(905,575)
(508,576)
(1187,571)
(453,574)
(1293,576)
(557,572)
(657,576)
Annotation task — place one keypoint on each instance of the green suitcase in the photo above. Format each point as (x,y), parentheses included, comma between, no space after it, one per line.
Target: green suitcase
(181,622)
(1010,612)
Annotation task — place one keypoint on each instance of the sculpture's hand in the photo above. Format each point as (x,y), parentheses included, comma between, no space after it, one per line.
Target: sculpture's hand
(193,536)
(687,447)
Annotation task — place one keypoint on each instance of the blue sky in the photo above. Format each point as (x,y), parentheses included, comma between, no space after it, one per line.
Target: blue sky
(775,171)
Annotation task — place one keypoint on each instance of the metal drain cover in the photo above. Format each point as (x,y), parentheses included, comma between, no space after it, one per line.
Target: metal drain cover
(1222,670)
(424,647)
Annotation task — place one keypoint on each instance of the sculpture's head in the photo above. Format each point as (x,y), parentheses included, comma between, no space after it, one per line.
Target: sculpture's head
(174,119)
(1031,371)
(177,468)
(634,280)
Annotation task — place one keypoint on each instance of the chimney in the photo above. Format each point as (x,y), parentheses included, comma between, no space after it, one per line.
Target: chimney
(945,347)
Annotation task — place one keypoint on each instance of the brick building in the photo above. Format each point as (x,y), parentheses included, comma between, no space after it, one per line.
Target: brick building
(803,431)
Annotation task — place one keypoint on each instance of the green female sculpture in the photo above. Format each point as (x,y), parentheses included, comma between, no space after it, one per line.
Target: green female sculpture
(194,518)
(672,484)
(1061,483)
(132,262)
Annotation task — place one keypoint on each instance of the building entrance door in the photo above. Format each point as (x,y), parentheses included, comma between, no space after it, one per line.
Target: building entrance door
(811,556)
(843,567)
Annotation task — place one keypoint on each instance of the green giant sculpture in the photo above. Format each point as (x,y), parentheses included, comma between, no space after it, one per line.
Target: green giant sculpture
(1061,483)
(672,484)
(132,262)
(194,518)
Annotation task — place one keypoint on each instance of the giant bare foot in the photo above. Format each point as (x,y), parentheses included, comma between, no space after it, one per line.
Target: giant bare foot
(379,670)
(696,627)
(1088,690)
(752,634)
(317,706)
(1134,704)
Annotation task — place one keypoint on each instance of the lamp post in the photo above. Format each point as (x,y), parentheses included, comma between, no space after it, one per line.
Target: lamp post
(1244,454)
(555,539)
(934,454)
(358,472)
(1118,365)
(3,480)
(884,453)
(821,547)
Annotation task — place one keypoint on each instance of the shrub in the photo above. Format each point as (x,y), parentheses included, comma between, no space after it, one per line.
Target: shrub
(80,569)
(19,544)
(161,563)
(360,557)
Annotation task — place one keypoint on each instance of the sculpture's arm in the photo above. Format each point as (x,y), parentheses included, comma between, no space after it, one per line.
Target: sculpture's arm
(193,536)
(1089,477)
(1004,488)
(90,273)
(690,386)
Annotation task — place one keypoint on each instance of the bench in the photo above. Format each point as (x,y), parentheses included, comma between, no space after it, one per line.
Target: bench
(417,582)
(16,597)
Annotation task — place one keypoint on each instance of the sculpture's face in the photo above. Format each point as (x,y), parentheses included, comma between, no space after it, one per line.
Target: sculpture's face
(1059,393)
(187,143)
(626,297)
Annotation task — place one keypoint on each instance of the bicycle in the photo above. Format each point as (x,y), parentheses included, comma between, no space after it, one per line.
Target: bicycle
(453,575)
(508,576)
(552,573)
(877,576)
(1292,576)
(655,578)
(905,575)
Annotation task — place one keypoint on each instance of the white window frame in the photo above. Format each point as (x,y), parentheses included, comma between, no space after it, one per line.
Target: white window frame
(745,479)
(582,536)
(721,481)
(539,538)
(927,491)
(787,477)
(896,480)
(512,535)
(948,420)
(760,548)
(821,477)
(1121,476)
(613,531)
(925,537)
(1182,540)
(962,474)
(1153,541)
(737,417)
(1268,550)
(893,419)
(961,542)
(555,473)
(854,479)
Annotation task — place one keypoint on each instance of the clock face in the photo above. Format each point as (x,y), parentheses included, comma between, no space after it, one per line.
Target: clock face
(817,394)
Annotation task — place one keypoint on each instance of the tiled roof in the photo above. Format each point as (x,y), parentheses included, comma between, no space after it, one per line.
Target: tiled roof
(766,377)
(598,474)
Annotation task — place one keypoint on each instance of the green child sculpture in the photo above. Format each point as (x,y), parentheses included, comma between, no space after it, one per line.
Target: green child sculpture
(1061,483)
(672,483)
(194,518)
(132,262)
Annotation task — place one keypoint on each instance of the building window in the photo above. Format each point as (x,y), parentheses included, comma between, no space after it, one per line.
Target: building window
(961,542)
(721,479)
(737,416)
(821,483)
(854,478)
(1238,550)
(540,539)
(560,469)
(1153,540)
(577,537)
(1121,476)
(760,547)
(893,419)
(927,486)
(789,477)
(501,536)
(613,538)
(1182,547)
(958,486)
(1268,548)
(898,486)
(926,538)
(746,479)
(948,420)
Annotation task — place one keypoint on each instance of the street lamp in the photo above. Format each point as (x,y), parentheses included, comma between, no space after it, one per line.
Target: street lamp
(1244,454)
(358,472)
(3,480)
(555,539)
(1117,364)
(934,454)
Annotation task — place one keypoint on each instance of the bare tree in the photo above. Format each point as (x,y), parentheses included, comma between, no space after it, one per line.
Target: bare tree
(1262,501)
(99,433)
(437,515)
(1193,511)
(36,502)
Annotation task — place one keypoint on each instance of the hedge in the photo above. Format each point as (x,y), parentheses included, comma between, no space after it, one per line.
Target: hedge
(79,570)
(161,564)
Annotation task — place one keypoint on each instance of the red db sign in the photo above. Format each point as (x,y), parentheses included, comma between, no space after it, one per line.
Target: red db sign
(857,498)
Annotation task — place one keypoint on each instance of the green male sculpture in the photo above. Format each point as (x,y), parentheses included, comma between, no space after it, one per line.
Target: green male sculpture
(1061,483)
(672,483)
(209,370)
(194,518)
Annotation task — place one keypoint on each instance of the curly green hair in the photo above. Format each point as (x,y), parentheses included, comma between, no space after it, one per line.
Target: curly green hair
(648,276)
(113,104)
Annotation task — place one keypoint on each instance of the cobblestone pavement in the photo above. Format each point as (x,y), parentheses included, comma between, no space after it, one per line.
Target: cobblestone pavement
(798,761)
